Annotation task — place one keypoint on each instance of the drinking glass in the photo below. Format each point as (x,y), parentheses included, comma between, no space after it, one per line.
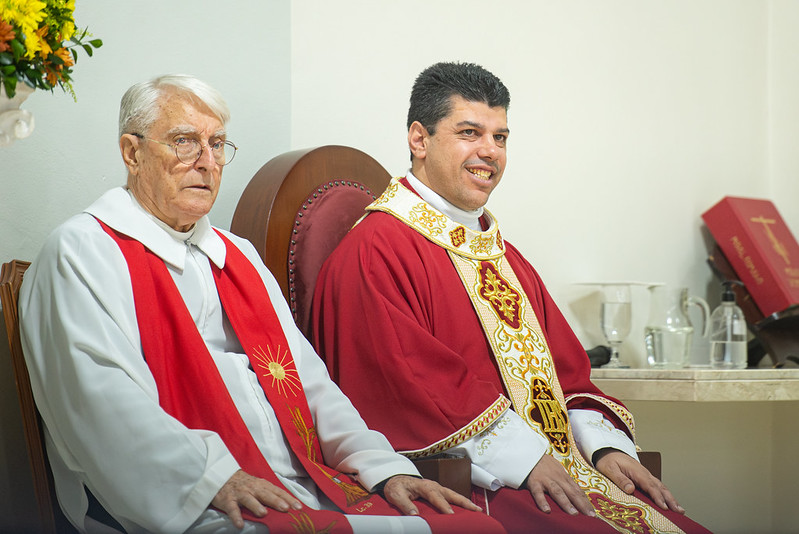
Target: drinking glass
(615,319)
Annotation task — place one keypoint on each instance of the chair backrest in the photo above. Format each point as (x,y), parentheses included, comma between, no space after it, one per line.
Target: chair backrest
(297,208)
(51,518)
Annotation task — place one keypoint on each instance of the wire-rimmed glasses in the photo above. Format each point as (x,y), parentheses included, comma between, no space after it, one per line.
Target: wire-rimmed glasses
(189,150)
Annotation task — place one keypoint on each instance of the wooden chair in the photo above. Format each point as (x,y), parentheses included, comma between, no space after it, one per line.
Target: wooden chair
(299,205)
(51,518)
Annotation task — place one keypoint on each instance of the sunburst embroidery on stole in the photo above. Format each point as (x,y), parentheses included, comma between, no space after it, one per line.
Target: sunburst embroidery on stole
(280,367)
(497,291)
(624,516)
(458,236)
(548,413)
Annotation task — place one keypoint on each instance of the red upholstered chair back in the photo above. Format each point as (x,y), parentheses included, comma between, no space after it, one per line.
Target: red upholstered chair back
(297,208)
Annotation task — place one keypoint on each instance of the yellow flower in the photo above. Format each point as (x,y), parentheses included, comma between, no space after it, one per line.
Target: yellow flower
(43,33)
(68,30)
(25,14)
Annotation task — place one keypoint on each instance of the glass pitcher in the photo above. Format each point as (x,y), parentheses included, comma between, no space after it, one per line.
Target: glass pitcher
(669,332)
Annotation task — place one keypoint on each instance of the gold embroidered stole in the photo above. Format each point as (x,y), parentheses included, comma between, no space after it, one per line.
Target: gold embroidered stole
(521,351)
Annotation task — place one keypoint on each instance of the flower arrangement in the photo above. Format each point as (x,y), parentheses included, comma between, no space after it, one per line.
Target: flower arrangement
(39,44)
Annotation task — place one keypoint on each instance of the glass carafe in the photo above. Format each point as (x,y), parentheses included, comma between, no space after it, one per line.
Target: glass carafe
(669,332)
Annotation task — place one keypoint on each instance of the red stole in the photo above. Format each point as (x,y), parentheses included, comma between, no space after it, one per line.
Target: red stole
(183,367)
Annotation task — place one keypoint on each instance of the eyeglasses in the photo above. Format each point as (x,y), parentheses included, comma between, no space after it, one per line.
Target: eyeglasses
(189,150)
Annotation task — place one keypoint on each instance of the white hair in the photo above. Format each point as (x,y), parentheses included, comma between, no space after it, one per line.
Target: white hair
(137,110)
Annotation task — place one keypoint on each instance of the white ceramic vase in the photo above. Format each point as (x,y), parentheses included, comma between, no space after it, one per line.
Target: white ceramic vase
(15,123)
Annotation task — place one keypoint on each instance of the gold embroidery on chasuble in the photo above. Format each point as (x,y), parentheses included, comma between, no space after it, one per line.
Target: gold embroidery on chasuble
(431,221)
(624,518)
(523,357)
(482,244)
(496,291)
(458,236)
(547,412)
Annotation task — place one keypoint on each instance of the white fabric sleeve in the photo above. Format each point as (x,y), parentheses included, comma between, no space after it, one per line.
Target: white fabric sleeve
(592,431)
(97,396)
(504,453)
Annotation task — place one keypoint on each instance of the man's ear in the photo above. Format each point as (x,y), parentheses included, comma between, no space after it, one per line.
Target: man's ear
(129,147)
(417,140)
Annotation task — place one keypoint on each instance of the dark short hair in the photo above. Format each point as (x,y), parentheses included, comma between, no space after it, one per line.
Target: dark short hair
(431,96)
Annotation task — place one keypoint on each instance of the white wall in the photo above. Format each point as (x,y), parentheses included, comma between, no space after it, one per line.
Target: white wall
(628,119)
(72,156)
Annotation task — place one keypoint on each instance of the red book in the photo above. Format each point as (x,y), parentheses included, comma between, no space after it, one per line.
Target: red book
(760,248)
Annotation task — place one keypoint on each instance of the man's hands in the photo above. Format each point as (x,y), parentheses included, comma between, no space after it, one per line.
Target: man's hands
(549,477)
(254,494)
(402,490)
(627,473)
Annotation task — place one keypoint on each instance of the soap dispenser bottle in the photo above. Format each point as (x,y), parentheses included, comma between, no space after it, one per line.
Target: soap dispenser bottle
(728,332)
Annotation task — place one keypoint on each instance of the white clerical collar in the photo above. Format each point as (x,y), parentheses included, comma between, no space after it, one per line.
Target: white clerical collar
(120,210)
(469,219)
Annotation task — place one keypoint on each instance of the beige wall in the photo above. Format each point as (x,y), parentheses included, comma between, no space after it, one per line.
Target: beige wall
(629,118)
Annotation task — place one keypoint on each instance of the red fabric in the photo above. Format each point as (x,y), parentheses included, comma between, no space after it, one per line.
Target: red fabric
(182,366)
(400,336)
(392,321)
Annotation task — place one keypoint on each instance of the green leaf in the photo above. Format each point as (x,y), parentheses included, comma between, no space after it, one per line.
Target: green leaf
(17,48)
(88,50)
(97,43)
(8,70)
(10,85)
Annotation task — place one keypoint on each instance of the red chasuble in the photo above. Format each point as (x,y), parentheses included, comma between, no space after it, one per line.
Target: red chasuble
(401,337)
(182,367)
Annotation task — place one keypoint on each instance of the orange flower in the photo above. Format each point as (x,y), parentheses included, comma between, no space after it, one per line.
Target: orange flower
(52,77)
(45,50)
(65,56)
(6,34)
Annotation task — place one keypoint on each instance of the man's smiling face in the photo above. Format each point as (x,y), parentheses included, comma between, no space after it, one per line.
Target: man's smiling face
(464,159)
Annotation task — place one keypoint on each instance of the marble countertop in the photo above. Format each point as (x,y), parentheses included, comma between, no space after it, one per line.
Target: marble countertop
(699,384)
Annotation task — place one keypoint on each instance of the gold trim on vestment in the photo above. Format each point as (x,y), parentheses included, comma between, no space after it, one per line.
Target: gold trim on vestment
(479,424)
(521,351)
(437,227)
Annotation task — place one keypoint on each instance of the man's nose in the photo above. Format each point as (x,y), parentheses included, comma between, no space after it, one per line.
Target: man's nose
(206,159)
(488,148)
